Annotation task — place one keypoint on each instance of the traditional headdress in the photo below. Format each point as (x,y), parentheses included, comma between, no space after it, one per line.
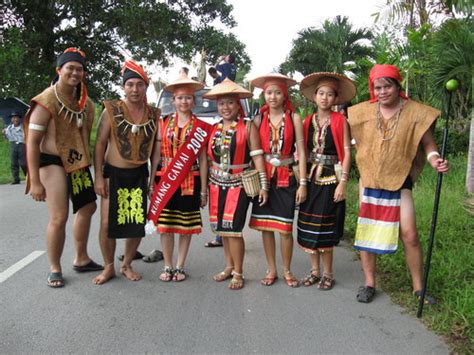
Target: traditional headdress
(132,69)
(282,81)
(341,84)
(184,86)
(229,88)
(379,71)
(73,54)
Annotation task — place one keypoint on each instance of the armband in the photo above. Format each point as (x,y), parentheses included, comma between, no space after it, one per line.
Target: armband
(429,155)
(254,153)
(37,127)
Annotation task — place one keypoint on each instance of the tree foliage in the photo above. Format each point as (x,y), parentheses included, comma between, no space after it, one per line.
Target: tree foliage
(35,32)
(333,47)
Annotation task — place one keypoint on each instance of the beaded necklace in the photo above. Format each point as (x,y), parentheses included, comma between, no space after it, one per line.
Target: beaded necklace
(79,116)
(392,124)
(174,137)
(319,136)
(221,143)
(276,138)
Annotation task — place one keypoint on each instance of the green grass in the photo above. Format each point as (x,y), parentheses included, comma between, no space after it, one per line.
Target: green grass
(5,166)
(451,279)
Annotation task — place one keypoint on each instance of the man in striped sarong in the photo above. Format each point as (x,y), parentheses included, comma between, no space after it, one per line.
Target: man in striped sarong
(393,136)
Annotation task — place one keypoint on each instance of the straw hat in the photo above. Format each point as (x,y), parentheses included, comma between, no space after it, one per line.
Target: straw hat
(184,82)
(227,87)
(346,89)
(260,81)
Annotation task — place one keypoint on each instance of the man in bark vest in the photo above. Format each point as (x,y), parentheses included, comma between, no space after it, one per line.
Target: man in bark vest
(125,139)
(57,129)
(393,136)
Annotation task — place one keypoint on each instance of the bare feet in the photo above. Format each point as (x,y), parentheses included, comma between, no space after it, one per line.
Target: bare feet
(129,273)
(106,275)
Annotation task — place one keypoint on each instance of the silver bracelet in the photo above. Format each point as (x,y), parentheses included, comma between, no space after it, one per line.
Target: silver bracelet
(254,153)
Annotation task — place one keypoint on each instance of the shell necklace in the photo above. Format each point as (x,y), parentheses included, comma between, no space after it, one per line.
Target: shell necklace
(135,127)
(78,116)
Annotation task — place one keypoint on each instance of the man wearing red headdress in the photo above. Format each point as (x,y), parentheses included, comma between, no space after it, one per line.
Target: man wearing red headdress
(125,137)
(57,129)
(393,137)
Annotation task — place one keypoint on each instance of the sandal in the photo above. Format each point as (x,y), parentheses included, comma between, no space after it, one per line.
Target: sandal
(290,279)
(312,278)
(236,283)
(223,275)
(268,280)
(366,294)
(326,283)
(213,244)
(429,300)
(155,256)
(167,274)
(179,274)
(55,280)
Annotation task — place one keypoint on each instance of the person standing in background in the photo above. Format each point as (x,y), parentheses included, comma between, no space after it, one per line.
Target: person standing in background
(16,136)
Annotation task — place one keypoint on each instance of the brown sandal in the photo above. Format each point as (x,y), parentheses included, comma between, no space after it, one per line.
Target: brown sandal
(326,283)
(290,279)
(312,279)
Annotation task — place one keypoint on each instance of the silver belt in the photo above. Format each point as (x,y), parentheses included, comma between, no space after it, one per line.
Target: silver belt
(323,159)
(228,167)
(279,160)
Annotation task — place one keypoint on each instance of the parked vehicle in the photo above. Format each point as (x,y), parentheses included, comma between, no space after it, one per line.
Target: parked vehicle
(204,109)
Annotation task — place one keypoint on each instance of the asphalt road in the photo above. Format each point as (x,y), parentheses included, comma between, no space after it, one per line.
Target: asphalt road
(195,316)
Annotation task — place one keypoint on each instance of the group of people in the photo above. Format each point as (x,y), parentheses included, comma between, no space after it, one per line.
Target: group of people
(277,161)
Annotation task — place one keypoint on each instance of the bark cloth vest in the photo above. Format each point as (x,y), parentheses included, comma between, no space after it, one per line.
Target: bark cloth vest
(72,130)
(134,141)
(385,164)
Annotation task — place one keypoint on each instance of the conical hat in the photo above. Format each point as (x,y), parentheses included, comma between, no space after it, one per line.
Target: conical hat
(260,81)
(346,89)
(184,81)
(227,87)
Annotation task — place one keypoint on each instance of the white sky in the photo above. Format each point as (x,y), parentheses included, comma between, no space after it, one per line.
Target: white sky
(268,27)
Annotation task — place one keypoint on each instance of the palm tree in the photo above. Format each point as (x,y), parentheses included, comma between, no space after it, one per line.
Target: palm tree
(333,47)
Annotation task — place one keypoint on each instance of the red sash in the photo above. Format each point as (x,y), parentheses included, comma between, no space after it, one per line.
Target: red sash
(282,172)
(178,169)
(232,197)
(337,130)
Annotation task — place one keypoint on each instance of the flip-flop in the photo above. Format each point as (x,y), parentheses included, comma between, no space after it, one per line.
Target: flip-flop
(90,266)
(137,256)
(155,256)
(55,280)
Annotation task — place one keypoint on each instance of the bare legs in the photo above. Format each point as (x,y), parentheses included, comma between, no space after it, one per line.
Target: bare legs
(108,245)
(54,181)
(286,249)
(81,228)
(167,245)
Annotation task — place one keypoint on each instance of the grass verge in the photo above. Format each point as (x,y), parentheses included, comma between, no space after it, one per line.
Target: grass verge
(451,279)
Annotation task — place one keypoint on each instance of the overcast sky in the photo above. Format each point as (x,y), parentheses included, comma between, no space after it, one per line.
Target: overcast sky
(268,27)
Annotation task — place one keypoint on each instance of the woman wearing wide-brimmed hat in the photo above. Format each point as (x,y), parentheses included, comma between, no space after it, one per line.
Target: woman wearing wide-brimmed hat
(279,129)
(181,215)
(321,216)
(233,147)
